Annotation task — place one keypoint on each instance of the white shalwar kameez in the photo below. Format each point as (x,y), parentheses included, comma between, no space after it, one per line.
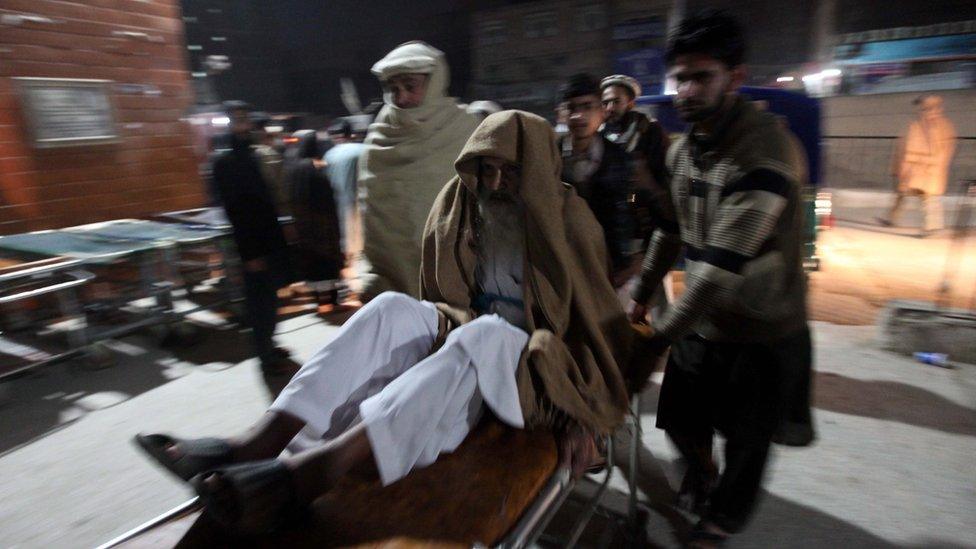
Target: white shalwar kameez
(415,405)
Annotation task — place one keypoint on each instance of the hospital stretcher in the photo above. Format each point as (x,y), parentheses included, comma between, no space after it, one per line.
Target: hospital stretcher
(25,277)
(75,260)
(135,259)
(197,250)
(500,488)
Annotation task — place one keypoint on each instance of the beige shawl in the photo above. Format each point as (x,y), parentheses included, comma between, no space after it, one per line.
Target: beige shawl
(580,340)
(409,155)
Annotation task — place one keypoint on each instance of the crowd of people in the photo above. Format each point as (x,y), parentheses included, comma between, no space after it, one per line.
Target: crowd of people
(505,271)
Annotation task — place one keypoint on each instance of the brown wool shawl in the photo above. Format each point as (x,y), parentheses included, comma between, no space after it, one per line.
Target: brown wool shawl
(580,341)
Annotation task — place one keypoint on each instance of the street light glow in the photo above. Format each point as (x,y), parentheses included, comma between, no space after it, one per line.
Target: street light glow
(785,79)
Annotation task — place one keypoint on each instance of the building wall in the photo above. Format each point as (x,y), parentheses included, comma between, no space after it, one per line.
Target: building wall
(151,168)
(779,35)
(522,53)
(247,32)
(867,15)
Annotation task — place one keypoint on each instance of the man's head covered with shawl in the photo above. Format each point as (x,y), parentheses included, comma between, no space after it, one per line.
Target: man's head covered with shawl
(415,79)
(580,346)
(409,155)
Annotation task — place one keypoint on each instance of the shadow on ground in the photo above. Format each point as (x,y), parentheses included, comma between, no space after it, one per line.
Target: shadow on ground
(892,401)
(49,398)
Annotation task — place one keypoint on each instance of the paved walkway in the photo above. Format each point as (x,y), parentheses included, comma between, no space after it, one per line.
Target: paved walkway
(893,465)
(864,267)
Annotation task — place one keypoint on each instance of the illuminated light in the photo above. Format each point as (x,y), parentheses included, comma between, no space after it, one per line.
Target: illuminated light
(290,140)
(220,121)
(199,75)
(274,129)
(816,77)
(194,47)
(670,92)
(830,72)
(785,79)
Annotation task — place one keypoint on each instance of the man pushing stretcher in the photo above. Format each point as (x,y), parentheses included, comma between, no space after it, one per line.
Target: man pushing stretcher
(519,318)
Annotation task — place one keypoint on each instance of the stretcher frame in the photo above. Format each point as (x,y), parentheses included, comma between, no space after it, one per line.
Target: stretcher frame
(49,275)
(534,520)
(83,342)
(183,238)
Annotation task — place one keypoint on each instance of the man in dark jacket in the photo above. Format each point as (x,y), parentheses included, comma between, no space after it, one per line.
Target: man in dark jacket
(643,138)
(250,207)
(601,172)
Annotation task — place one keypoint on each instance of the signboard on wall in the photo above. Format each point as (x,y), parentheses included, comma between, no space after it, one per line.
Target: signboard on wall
(645,65)
(63,111)
(645,28)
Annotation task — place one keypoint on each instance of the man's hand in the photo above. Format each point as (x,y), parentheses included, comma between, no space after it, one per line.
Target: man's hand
(637,313)
(577,450)
(290,232)
(621,277)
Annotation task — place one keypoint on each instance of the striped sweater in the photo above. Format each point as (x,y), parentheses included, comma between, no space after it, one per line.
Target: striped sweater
(737,207)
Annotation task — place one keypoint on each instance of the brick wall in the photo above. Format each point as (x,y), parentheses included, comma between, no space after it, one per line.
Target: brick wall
(151,168)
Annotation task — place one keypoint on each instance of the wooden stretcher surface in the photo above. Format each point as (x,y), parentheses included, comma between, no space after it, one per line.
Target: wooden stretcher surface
(475,494)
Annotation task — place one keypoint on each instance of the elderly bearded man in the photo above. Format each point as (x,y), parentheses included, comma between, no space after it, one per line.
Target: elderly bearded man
(519,320)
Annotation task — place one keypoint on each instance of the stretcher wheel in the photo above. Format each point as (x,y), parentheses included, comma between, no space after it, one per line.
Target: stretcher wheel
(98,357)
(181,334)
(236,309)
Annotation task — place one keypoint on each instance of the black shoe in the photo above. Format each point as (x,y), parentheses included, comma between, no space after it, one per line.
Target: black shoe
(695,490)
(195,455)
(251,498)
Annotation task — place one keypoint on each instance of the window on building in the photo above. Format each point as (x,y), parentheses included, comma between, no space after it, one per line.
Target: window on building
(541,24)
(493,32)
(590,18)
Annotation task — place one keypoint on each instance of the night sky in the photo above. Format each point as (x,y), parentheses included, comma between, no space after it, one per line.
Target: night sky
(320,42)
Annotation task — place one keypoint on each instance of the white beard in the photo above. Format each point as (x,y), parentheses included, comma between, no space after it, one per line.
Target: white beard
(502,226)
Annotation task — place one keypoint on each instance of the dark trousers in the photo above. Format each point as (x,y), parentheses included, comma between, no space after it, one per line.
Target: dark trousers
(261,301)
(742,390)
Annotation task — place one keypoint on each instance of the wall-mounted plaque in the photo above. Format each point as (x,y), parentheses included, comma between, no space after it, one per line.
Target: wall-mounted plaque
(64,111)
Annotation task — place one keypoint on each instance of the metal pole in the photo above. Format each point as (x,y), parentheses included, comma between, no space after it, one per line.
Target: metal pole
(958,239)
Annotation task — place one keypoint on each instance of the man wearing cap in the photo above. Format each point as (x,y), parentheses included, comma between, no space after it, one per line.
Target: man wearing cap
(601,172)
(409,157)
(643,138)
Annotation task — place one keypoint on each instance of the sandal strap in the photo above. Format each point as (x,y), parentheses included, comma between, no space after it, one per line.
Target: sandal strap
(699,533)
(197,455)
(254,497)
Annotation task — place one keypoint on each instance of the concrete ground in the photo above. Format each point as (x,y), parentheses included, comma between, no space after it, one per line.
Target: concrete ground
(893,464)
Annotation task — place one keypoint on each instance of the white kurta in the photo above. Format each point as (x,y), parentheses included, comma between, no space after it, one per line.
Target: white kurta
(415,405)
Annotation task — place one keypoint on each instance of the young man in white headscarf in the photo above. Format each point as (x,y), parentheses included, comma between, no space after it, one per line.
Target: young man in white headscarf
(409,156)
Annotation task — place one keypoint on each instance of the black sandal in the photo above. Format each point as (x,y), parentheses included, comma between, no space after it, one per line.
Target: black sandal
(196,455)
(251,498)
(696,487)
